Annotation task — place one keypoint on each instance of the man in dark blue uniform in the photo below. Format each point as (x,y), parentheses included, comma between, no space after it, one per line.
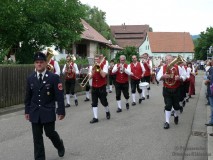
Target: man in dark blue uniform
(43,89)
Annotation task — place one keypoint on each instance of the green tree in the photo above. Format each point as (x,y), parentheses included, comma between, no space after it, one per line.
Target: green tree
(97,19)
(128,52)
(39,23)
(203,43)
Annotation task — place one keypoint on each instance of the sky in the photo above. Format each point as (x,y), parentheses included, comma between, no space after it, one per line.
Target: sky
(193,16)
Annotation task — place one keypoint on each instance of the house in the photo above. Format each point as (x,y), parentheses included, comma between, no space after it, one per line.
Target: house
(90,43)
(159,44)
(129,35)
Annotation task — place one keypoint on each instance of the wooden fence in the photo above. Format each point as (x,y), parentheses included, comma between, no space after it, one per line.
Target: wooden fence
(13,84)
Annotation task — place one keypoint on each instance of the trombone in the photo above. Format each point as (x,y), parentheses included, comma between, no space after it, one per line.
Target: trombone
(89,75)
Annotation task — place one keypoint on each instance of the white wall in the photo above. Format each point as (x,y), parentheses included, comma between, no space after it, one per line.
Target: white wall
(145,47)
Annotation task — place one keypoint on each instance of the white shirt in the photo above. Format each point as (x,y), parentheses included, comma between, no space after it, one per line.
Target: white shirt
(57,68)
(74,66)
(126,70)
(181,73)
(43,73)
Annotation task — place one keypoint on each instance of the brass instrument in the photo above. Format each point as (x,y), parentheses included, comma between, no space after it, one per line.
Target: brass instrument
(86,78)
(172,71)
(122,68)
(49,57)
(95,67)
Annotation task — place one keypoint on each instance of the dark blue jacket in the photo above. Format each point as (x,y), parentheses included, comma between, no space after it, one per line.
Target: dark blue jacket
(40,98)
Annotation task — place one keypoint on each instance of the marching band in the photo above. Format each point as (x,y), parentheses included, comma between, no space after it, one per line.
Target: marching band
(178,78)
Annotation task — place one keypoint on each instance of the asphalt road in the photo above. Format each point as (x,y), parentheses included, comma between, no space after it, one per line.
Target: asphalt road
(136,134)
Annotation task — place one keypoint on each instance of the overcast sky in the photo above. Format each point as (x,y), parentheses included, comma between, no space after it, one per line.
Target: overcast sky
(192,16)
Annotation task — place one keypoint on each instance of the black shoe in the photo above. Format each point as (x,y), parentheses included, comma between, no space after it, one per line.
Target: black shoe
(211,134)
(133,103)
(184,103)
(140,100)
(94,120)
(166,125)
(147,96)
(176,120)
(127,106)
(108,115)
(119,110)
(181,109)
(207,104)
(68,105)
(190,96)
(87,99)
(76,102)
(187,100)
(209,124)
(61,150)
(143,98)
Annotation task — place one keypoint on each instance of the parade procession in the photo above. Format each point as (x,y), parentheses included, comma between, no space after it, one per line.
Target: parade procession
(116,80)
(45,95)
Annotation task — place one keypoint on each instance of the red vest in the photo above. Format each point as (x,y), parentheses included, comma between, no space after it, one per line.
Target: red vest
(136,70)
(71,75)
(98,80)
(148,70)
(171,83)
(121,77)
(52,62)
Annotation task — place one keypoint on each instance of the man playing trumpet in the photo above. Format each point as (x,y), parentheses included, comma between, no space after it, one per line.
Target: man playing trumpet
(99,82)
(122,82)
(70,70)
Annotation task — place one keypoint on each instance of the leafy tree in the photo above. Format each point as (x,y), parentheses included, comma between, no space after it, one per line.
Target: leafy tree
(39,23)
(128,52)
(97,19)
(203,43)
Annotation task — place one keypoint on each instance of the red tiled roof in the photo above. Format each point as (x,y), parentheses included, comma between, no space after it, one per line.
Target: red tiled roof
(170,42)
(129,35)
(91,34)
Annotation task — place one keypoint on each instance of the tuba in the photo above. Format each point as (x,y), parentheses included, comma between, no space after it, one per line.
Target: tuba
(172,71)
(50,54)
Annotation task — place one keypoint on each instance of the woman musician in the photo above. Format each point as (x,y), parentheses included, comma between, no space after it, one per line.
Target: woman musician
(70,71)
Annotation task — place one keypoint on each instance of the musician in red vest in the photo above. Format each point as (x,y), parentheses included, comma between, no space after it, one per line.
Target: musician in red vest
(137,72)
(147,76)
(99,82)
(122,82)
(112,76)
(70,70)
(171,77)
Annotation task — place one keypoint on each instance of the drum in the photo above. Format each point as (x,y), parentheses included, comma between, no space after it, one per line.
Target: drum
(144,85)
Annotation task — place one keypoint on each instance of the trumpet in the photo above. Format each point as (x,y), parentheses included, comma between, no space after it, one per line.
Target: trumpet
(122,68)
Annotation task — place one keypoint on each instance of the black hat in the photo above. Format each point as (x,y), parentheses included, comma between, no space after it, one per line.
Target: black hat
(40,56)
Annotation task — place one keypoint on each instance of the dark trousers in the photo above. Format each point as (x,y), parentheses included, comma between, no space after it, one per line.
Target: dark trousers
(87,87)
(70,86)
(134,85)
(182,93)
(146,79)
(122,87)
(99,93)
(112,79)
(171,98)
(49,128)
